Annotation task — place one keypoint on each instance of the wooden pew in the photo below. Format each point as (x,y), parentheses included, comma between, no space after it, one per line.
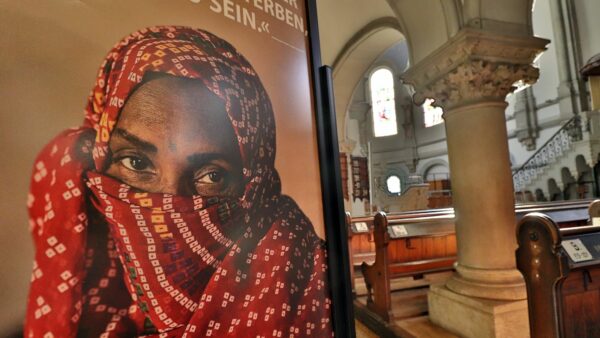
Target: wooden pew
(360,229)
(406,247)
(361,243)
(561,267)
(565,213)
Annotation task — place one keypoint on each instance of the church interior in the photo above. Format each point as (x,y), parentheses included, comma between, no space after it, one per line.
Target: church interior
(455,119)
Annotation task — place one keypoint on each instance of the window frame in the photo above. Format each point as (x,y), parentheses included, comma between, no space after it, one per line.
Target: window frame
(387,190)
(370,97)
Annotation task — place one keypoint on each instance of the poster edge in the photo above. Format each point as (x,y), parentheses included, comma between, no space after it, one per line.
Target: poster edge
(329,167)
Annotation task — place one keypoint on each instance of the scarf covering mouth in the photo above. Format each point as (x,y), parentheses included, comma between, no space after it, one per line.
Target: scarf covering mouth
(112,261)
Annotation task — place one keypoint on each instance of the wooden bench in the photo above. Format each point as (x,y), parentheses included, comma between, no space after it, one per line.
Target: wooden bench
(561,267)
(361,243)
(566,214)
(406,247)
(360,229)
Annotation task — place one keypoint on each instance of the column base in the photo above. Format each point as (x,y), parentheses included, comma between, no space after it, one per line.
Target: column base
(497,284)
(472,317)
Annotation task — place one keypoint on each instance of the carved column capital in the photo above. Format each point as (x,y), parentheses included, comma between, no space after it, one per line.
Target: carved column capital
(475,66)
(476,81)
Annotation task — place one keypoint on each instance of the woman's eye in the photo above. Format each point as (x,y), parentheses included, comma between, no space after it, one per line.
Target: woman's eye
(135,163)
(211,177)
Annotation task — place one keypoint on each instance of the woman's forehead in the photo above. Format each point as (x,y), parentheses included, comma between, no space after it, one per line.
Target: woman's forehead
(179,112)
(168,99)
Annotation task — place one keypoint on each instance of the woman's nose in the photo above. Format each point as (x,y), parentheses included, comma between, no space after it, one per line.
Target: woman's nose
(176,182)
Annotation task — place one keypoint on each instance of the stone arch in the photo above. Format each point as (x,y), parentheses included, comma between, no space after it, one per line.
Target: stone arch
(569,184)
(426,166)
(427,24)
(444,19)
(585,177)
(554,192)
(355,59)
(436,172)
(385,65)
(581,165)
(539,195)
(399,168)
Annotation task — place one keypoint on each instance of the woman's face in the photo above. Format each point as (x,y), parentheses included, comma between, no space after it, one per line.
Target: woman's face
(173,136)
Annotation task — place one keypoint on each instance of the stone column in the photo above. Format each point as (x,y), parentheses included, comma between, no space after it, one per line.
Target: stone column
(469,77)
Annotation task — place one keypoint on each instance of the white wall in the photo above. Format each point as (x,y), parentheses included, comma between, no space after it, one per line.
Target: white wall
(546,87)
(545,90)
(587,12)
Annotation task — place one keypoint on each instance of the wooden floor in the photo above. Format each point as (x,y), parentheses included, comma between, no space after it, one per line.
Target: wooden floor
(409,307)
(363,332)
(419,327)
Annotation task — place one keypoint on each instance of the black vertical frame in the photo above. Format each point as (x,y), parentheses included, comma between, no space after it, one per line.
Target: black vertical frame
(333,203)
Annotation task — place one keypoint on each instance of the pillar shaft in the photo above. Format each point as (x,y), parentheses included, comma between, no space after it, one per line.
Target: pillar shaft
(483,199)
(469,77)
(481,185)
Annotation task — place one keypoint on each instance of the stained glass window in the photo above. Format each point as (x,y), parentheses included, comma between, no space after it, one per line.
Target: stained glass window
(433,115)
(383,103)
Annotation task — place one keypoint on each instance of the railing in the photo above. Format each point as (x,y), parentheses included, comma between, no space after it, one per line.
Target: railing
(555,146)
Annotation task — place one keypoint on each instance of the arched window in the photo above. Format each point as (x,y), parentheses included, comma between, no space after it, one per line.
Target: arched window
(393,185)
(437,172)
(383,103)
(433,115)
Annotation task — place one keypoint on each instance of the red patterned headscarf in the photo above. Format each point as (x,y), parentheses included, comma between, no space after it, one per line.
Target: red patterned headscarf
(115,261)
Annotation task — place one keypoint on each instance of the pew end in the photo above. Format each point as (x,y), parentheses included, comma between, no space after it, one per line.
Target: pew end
(594,212)
(561,268)
(348,220)
(376,276)
(406,248)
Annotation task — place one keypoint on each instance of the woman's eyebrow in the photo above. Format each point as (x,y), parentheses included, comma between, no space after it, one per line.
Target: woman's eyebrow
(135,140)
(202,158)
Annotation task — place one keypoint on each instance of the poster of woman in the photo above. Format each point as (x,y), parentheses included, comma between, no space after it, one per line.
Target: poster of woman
(186,199)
